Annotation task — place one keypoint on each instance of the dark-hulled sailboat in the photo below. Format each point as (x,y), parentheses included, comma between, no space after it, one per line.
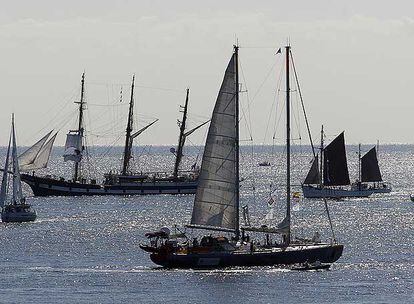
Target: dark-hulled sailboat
(217,201)
(123,183)
(334,181)
(369,173)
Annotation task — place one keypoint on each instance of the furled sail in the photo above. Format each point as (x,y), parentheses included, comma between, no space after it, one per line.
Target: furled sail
(215,203)
(313,176)
(4,181)
(73,147)
(29,159)
(370,171)
(334,163)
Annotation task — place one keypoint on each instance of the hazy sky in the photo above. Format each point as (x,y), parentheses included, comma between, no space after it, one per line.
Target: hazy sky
(355,61)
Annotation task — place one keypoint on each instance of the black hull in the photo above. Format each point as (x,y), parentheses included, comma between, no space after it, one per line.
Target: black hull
(43,186)
(305,254)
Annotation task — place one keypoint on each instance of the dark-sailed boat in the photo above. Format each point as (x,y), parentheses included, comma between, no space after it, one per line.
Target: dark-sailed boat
(369,174)
(123,183)
(16,210)
(217,201)
(334,181)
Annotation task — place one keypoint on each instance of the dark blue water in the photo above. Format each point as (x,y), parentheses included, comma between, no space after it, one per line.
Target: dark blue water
(85,250)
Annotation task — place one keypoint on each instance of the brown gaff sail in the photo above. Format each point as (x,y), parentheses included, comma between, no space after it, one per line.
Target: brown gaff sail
(335,168)
(370,171)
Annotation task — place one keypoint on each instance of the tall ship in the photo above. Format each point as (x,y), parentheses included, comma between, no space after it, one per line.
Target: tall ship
(328,176)
(14,208)
(217,204)
(124,182)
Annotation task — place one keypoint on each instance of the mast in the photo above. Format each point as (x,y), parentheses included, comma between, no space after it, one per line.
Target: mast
(181,139)
(321,160)
(359,164)
(236,58)
(127,150)
(287,144)
(80,126)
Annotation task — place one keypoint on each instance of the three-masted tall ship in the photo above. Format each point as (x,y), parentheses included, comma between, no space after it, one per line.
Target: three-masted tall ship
(125,182)
(328,176)
(217,203)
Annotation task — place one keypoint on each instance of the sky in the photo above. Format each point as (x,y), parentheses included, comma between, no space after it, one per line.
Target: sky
(355,61)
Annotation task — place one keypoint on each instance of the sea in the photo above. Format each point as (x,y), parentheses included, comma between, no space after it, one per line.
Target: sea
(86,249)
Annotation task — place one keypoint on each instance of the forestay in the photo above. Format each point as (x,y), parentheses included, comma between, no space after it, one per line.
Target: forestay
(215,203)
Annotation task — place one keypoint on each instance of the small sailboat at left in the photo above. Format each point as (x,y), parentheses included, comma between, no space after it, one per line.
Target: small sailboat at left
(14,207)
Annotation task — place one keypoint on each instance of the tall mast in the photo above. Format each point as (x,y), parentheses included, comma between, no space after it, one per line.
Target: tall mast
(359,166)
(321,160)
(127,151)
(287,144)
(181,139)
(236,59)
(80,125)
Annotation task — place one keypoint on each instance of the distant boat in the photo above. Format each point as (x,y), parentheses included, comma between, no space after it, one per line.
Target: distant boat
(369,174)
(217,203)
(264,164)
(328,177)
(14,208)
(124,182)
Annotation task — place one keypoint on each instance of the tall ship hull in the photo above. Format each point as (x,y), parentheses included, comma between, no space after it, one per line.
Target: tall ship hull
(317,192)
(323,253)
(44,186)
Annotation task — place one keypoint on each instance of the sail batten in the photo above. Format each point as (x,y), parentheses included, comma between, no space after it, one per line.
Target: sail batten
(335,167)
(216,200)
(370,171)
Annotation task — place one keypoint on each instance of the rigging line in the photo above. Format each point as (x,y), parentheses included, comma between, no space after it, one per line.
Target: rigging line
(137,86)
(278,103)
(264,81)
(246,117)
(248,100)
(303,105)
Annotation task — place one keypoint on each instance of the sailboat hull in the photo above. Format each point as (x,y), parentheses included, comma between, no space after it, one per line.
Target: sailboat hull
(44,186)
(316,192)
(18,217)
(292,255)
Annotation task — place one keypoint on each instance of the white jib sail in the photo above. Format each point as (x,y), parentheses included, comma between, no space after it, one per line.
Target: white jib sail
(28,158)
(215,202)
(17,184)
(42,158)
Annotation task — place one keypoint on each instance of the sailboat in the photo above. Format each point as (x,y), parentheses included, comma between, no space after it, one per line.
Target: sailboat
(369,173)
(16,209)
(328,176)
(124,182)
(217,203)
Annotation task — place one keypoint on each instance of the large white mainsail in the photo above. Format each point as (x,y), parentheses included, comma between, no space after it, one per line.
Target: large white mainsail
(4,182)
(216,200)
(17,184)
(29,159)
